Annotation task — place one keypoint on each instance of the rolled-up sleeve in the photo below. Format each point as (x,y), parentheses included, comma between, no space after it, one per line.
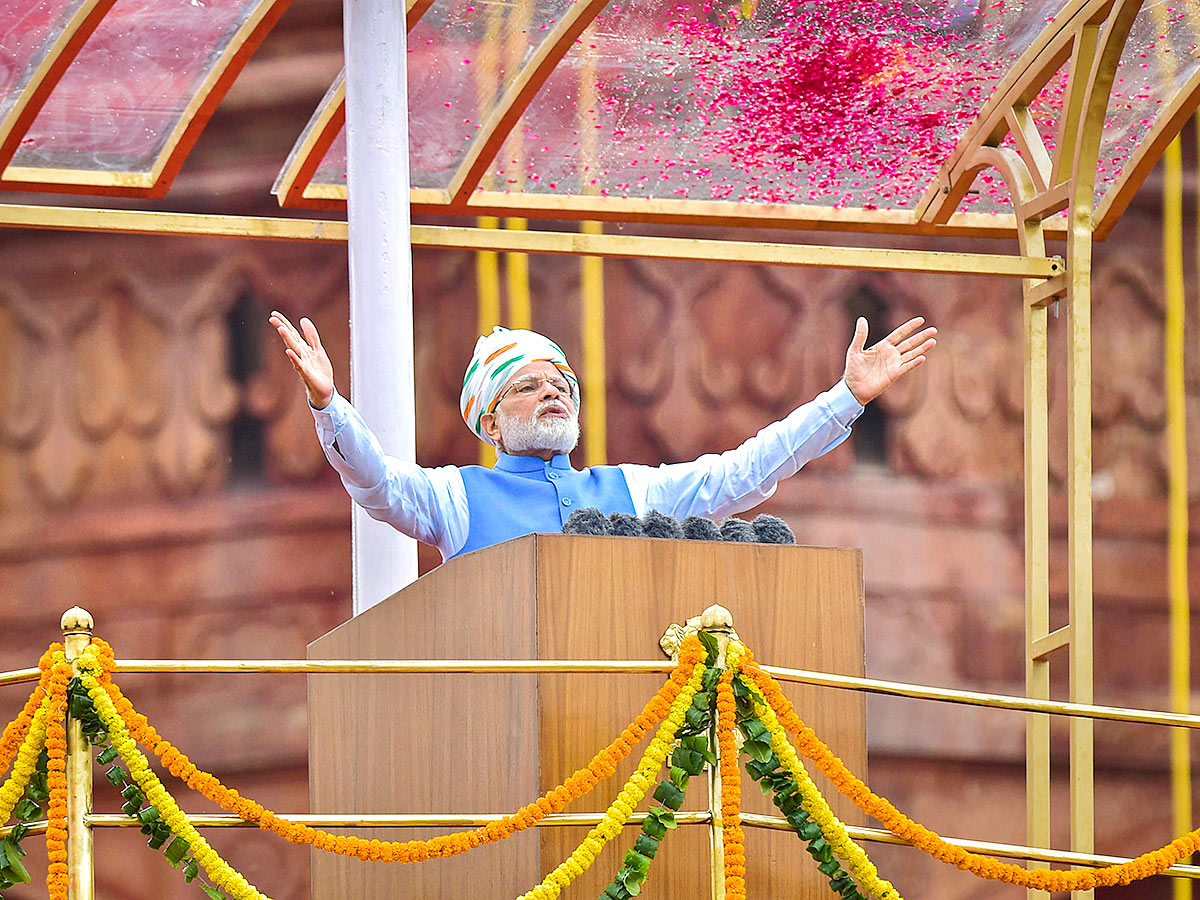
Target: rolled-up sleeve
(429,504)
(721,484)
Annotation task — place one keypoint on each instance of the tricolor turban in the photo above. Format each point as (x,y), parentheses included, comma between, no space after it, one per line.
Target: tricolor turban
(498,356)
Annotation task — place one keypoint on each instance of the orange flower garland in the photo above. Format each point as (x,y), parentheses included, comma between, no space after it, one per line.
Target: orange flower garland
(1152,863)
(732,836)
(15,731)
(56,779)
(602,766)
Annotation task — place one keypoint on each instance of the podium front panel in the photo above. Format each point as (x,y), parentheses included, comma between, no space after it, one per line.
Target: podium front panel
(492,743)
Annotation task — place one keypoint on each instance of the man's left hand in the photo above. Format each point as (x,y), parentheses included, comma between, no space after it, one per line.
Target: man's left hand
(871,372)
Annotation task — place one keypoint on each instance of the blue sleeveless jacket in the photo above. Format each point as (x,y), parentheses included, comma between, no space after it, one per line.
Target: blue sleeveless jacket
(525,494)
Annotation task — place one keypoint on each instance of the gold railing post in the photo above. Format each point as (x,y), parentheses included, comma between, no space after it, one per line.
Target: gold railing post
(719,623)
(77,634)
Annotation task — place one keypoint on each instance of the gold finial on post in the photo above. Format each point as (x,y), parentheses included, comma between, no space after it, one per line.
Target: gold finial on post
(77,625)
(716,619)
(77,620)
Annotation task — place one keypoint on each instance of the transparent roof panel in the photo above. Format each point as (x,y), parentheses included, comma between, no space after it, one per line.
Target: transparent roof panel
(852,103)
(28,31)
(332,170)
(463,54)
(1158,60)
(118,104)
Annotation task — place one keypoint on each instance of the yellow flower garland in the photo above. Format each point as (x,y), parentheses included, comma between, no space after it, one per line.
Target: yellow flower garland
(832,828)
(16,730)
(627,800)
(223,875)
(26,761)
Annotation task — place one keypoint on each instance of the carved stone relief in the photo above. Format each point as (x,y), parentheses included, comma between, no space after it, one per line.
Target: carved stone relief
(117,378)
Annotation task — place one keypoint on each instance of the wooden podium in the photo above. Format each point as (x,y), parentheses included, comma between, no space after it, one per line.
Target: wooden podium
(489,743)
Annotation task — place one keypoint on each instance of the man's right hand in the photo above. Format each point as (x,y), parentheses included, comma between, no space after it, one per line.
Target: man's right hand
(308,357)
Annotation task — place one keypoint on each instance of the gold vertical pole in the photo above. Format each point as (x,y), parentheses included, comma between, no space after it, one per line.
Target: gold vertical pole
(1037,564)
(595,409)
(717,621)
(1079,520)
(516,265)
(487,262)
(591,275)
(77,634)
(1177,494)
(516,272)
(487,286)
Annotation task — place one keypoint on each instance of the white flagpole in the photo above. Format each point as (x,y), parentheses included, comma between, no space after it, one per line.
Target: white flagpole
(381,311)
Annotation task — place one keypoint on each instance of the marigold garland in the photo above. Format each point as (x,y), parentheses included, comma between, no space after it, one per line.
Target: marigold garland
(40,724)
(733,838)
(26,760)
(57,875)
(98,660)
(1151,863)
(832,828)
(16,730)
(631,795)
(222,874)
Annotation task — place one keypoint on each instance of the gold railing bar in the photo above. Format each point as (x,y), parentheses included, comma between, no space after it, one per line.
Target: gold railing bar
(987,848)
(355,666)
(532,666)
(973,698)
(36,827)
(417,820)
(1044,646)
(19,676)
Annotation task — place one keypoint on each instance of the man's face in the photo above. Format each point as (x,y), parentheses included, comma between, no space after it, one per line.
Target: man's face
(535,414)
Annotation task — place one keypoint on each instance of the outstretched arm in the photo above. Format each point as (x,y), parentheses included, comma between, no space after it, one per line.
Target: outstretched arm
(428,504)
(308,358)
(871,372)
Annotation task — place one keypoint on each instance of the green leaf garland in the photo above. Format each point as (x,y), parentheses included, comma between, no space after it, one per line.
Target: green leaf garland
(689,758)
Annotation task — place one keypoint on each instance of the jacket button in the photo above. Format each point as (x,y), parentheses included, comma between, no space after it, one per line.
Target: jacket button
(566,501)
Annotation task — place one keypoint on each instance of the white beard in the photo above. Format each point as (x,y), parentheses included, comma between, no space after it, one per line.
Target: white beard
(519,435)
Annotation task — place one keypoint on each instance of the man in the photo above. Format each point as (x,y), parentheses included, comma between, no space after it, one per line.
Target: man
(520,395)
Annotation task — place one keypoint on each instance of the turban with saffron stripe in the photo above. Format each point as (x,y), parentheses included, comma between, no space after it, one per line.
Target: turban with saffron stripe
(498,356)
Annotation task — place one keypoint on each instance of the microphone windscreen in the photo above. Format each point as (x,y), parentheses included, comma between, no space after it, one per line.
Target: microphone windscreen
(586,521)
(738,530)
(624,525)
(698,528)
(773,530)
(660,525)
